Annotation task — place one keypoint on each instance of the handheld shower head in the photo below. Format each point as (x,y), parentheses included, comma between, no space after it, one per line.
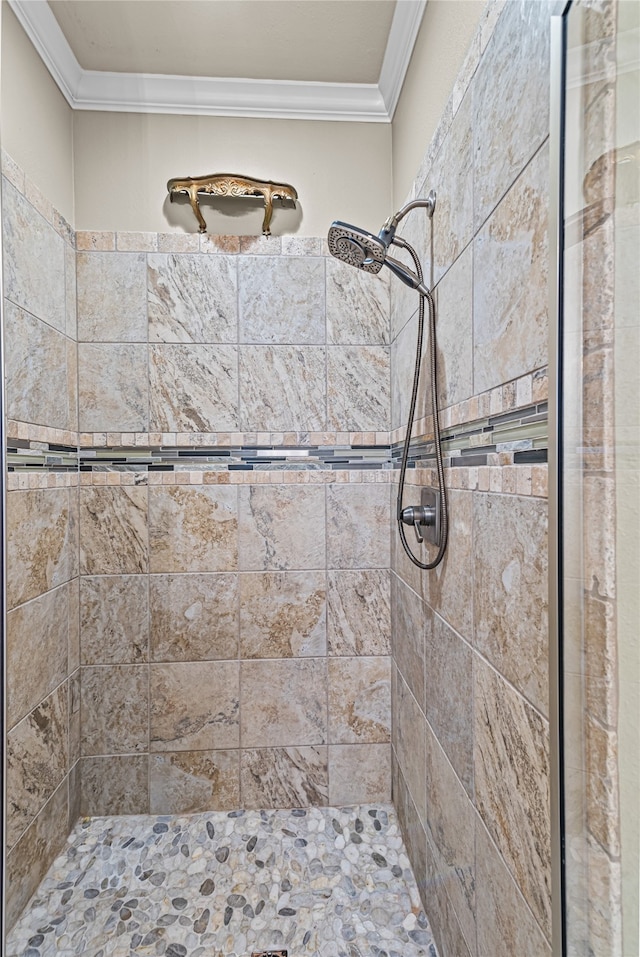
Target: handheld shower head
(356,247)
(359,248)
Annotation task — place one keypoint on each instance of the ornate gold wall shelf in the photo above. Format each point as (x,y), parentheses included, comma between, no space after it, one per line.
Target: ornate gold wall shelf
(232,184)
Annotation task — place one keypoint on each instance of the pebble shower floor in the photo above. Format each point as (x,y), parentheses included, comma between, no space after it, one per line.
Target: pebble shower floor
(320,882)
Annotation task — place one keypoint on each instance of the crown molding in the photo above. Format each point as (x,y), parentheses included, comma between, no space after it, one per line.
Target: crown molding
(217,96)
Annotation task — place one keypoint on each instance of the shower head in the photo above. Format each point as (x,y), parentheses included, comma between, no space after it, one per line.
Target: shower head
(359,248)
(356,247)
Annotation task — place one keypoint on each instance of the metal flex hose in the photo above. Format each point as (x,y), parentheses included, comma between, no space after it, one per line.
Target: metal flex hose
(433,365)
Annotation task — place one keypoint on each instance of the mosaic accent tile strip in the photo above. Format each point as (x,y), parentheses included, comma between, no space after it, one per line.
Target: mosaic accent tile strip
(320,881)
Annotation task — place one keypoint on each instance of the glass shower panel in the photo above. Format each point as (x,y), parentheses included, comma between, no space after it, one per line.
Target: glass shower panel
(600,483)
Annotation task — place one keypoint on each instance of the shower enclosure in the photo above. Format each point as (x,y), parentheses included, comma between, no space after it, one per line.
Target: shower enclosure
(209,616)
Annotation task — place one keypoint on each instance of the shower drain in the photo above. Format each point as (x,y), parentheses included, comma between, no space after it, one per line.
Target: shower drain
(269,953)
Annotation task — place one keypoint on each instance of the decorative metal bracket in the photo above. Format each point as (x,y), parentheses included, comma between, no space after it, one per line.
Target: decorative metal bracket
(232,184)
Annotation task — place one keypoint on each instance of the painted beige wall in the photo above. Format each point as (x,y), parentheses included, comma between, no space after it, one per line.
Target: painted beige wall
(445,34)
(341,170)
(37,122)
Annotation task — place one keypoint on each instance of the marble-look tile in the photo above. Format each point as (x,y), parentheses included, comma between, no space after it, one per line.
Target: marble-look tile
(112,297)
(511,94)
(411,619)
(358,388)
(357,306)
(359,612)
(75,730)
(409,736)
(193,617)
(72,385)
(505,924)
(192,298)
(403,360)
(115,709)
(118,784)
(283,615)
(42,542)
(194,706)
(113,530)
(403,567)
(281,300)
(284,777)
(510,320)
(449,696)
(33,260)
(510,590)
(413,832)
(284,703)
(113,387)
(28,861)
(442,914)
(359,700)
(455,332)
(358,526)
(282,388)
(452,180)
(449,587)
(37,756)
(37,651)
(511,771)
(71,298)
(193,388)
(74,625)
(186,782)
(36,373)
(404,303)
(281,527)
(114,619)
(359,772)
(193,529)
(450,829)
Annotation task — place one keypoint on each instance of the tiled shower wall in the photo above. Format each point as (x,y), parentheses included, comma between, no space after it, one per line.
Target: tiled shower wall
(209,628)
(470,673)
(43,654)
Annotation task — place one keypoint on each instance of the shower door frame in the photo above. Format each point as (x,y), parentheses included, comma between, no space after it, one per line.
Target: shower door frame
(3,581)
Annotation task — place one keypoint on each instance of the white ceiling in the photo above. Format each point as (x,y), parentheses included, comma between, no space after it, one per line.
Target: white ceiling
(308,59)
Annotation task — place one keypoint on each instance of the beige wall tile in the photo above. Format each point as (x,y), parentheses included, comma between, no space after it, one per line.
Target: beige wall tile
(112,300)
(359,700)
(284,777)
(192,298)
(37,651)
(118,784)
(114,619)
(449,587)
(449,696)
(358,389)
(409,734)
(193,617)
(284,703)
(453,182)
(450,827)
(511,770)
(283,614)
(357,305)
(281,527)
(113,531)
(359,612)
(455,333)
(358,526)
(113,387)
(193,529)
(188,782)
(37,757)
(42,528)
(194,706)
(193,388)
(282,388)
(505,924)
(413,831)
(359,774)
(282,300)
(29,860)
(115,709)
(442,914)
(411,618)
(510,590)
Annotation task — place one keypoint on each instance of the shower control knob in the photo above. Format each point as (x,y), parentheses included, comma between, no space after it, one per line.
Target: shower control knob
(425,516)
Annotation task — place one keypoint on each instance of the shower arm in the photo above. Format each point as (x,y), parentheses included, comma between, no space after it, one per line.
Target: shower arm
(388,231)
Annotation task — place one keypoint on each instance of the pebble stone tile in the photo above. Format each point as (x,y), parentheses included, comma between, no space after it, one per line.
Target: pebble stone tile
(319,882)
